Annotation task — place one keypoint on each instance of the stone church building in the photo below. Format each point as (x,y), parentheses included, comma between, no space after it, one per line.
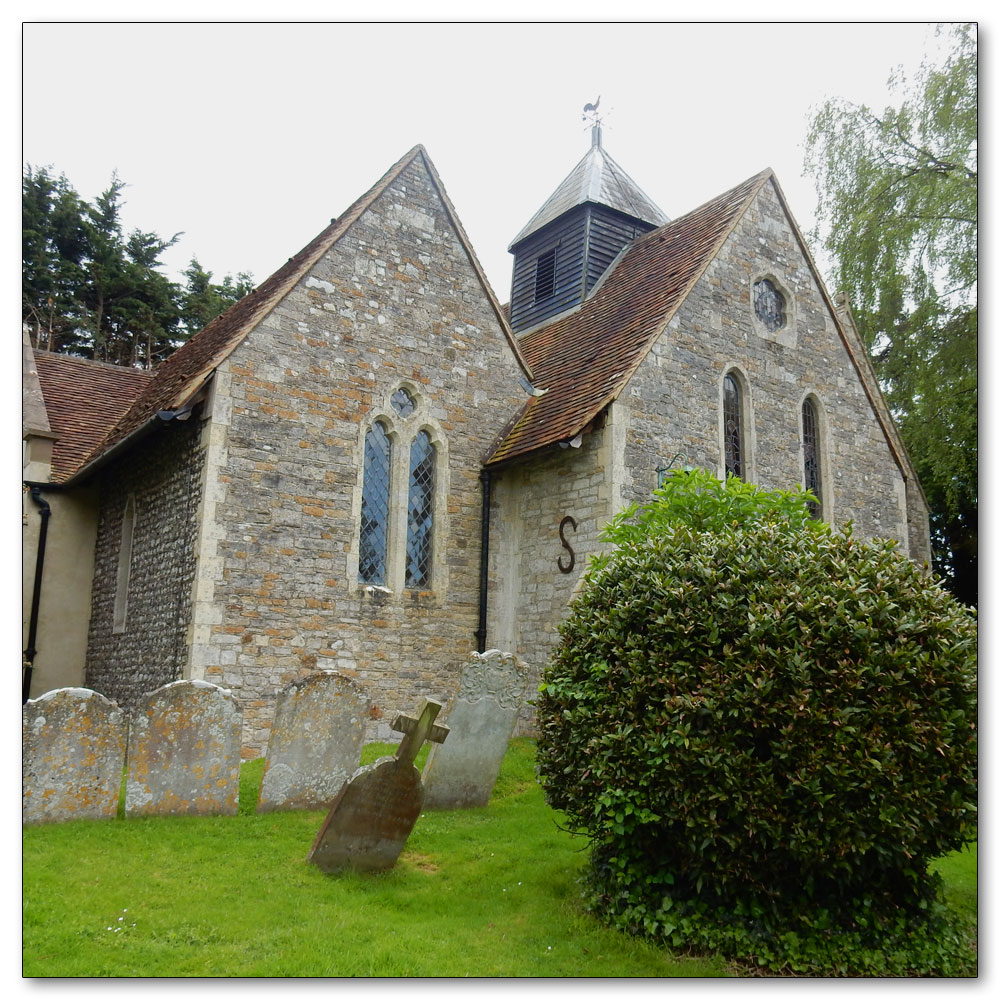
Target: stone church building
(371,465)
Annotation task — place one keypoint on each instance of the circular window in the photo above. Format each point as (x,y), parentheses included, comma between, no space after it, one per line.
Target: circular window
(402,402)
(769,304)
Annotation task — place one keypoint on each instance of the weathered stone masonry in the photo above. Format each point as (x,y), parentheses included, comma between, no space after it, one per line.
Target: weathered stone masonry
(671,410)
(534,572)
(245,558)
(395,302)
(166,484)
(675,397)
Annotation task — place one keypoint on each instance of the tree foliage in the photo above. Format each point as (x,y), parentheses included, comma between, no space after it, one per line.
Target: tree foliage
(93,290)
(203,301)
(898,212)
(766,730)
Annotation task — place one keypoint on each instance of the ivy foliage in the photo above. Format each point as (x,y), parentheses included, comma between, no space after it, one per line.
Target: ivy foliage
(766,729)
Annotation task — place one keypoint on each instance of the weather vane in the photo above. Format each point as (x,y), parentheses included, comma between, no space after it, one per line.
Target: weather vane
(594,120)
(590,112)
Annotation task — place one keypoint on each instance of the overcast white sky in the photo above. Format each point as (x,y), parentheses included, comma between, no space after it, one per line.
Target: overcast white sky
(249,137)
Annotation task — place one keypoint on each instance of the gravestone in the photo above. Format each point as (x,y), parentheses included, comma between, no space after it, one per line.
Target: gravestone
(184,752)
(375,811)
(461,773)
(72,755)
(315,743)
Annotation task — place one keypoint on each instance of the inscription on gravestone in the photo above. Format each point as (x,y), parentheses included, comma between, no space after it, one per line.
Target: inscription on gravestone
(72,754)
(184,752)
(375,810)
(462,773)
(315,743)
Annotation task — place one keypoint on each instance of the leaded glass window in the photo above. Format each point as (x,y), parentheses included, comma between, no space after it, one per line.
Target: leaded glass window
(402,402)
(769,305)
(375,506)
(420,512)
(811,456)
(732,426)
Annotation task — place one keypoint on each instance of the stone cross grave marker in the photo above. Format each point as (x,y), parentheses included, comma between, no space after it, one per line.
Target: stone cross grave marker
(72,755)
(315,742)
(482,716)
(375,810)
(184,752)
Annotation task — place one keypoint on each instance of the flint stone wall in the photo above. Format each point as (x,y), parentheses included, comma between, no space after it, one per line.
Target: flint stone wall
(72,754)
(164,477)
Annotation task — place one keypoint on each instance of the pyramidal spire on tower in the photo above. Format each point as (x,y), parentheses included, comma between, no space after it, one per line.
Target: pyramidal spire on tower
(572,239)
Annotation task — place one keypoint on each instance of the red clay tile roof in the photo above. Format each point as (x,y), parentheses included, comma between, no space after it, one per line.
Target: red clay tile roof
(83,399)
(178,378)
(585,359)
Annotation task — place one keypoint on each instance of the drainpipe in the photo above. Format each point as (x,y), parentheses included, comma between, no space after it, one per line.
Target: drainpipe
(44,513)
(484,561)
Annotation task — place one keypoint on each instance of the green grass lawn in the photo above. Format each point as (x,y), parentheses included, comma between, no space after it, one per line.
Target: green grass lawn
(480,892)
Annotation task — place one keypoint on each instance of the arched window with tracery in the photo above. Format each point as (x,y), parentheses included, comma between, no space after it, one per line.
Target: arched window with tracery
(420,512)
(732,427)
(811,456)
(375,505)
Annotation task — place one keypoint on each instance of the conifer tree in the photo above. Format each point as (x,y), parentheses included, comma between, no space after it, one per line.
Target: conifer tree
(91,290)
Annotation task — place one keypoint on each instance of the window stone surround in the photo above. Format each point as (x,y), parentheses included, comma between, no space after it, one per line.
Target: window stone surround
(402,431)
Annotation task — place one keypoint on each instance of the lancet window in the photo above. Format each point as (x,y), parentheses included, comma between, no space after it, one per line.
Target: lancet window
(811,456)
(420,512)
(124,566)
(375,505)
(732,426)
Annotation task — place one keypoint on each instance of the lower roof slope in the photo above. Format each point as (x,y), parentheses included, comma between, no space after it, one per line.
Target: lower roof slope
(83,399)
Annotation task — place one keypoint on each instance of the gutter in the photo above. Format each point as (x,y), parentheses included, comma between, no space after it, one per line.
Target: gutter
(160,417)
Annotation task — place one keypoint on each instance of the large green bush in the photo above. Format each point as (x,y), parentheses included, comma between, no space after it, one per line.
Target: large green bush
(767,731)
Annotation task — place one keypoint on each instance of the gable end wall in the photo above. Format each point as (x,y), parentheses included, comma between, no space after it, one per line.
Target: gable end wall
(395,302)
(674,399)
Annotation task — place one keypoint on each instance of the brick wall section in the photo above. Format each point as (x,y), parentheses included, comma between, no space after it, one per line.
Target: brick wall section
(395,301)
(674,401)
(164,474)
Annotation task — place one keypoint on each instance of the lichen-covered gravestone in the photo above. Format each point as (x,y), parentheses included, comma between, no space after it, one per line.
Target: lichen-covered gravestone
(72,755)
(461,773)
(315,743)
(375,811)
(184,752)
